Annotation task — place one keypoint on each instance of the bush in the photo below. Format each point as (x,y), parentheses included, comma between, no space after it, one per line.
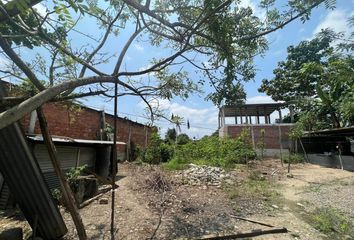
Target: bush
(293,158)
(157,151)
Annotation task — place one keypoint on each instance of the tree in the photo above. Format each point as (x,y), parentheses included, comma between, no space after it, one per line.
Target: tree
(317,77)
(288,84)
(183,139)
(171,135)
(224,35)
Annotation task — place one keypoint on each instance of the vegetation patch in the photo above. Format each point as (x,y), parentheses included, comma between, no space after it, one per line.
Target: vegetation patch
(213,151)
(255,186)
(332,222)
(293,158)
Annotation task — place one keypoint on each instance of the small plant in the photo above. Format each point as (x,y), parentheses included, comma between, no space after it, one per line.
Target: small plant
(331,222)
(72,176)
(261,144)
(293,158)
(57,194)
(255,186)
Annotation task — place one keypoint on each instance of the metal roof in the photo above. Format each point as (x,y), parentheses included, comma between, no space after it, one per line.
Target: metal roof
(345,131)
(256,109)
(56,139)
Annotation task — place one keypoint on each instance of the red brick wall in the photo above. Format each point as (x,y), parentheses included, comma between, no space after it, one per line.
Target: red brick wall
(84,123)
(271,134)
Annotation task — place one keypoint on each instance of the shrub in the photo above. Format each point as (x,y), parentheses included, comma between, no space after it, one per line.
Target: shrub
(293,158)
(157,151)
(214,151)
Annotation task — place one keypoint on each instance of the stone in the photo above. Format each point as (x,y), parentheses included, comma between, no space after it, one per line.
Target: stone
(103,201)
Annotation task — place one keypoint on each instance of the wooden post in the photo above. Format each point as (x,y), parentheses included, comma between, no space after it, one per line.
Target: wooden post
(291,109)
(280,146)
(340,157)
(253,141)
(303,149)
(66,190)
(129,145)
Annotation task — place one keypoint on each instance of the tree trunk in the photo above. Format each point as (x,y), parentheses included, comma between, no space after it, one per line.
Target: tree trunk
(66,190)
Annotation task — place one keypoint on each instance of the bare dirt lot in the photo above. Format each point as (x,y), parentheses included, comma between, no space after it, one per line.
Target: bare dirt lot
(155,204)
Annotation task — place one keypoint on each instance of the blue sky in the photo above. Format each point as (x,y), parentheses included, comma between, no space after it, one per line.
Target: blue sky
(201,114)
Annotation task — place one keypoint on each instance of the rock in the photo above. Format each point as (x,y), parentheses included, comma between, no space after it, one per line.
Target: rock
(11,234)
(103,201)
(299,204)
(204,175)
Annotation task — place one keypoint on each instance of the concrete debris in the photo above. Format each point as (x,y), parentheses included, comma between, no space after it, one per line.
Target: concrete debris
(203,175)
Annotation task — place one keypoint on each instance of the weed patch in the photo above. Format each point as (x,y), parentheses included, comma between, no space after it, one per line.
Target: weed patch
(254,187)
(331,222)
(293,158)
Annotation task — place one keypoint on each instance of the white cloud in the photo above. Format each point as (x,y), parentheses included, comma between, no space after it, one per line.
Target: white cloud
(260,99)
(138,47)
(259,12)
(203,121)
(337,20)
(41,9)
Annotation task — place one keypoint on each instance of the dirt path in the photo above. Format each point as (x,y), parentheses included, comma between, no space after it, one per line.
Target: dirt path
(192,211)
(311,187)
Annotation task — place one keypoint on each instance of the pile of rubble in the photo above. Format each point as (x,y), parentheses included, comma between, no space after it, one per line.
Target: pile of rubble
(203,175)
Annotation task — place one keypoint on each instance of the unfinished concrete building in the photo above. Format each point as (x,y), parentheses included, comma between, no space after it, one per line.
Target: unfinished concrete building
(270,137)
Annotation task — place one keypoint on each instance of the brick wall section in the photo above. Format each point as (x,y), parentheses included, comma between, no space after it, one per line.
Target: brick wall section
(271,134)
(84,123)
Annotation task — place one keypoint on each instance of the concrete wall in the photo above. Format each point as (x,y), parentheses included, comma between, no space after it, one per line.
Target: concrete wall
(274,135)
(84,123)
(332,161)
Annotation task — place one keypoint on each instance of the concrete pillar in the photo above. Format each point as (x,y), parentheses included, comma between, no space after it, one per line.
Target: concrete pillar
(280,117)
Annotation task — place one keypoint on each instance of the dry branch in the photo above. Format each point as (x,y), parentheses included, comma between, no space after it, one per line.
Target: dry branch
(246,234)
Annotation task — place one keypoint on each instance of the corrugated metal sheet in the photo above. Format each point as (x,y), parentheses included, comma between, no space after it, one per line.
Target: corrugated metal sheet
(27,184)
(39,138)
(4,196)
(87,157)
(52,180)
(66,155)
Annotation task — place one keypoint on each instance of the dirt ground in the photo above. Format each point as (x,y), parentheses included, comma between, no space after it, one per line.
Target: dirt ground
(184,211)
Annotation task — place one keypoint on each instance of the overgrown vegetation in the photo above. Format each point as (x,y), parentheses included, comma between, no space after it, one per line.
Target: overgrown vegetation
(214,151)
(157,151)
(332,222)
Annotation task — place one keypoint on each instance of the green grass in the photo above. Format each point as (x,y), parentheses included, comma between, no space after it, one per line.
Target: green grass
(331,222)
(255,187)
(174,164)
